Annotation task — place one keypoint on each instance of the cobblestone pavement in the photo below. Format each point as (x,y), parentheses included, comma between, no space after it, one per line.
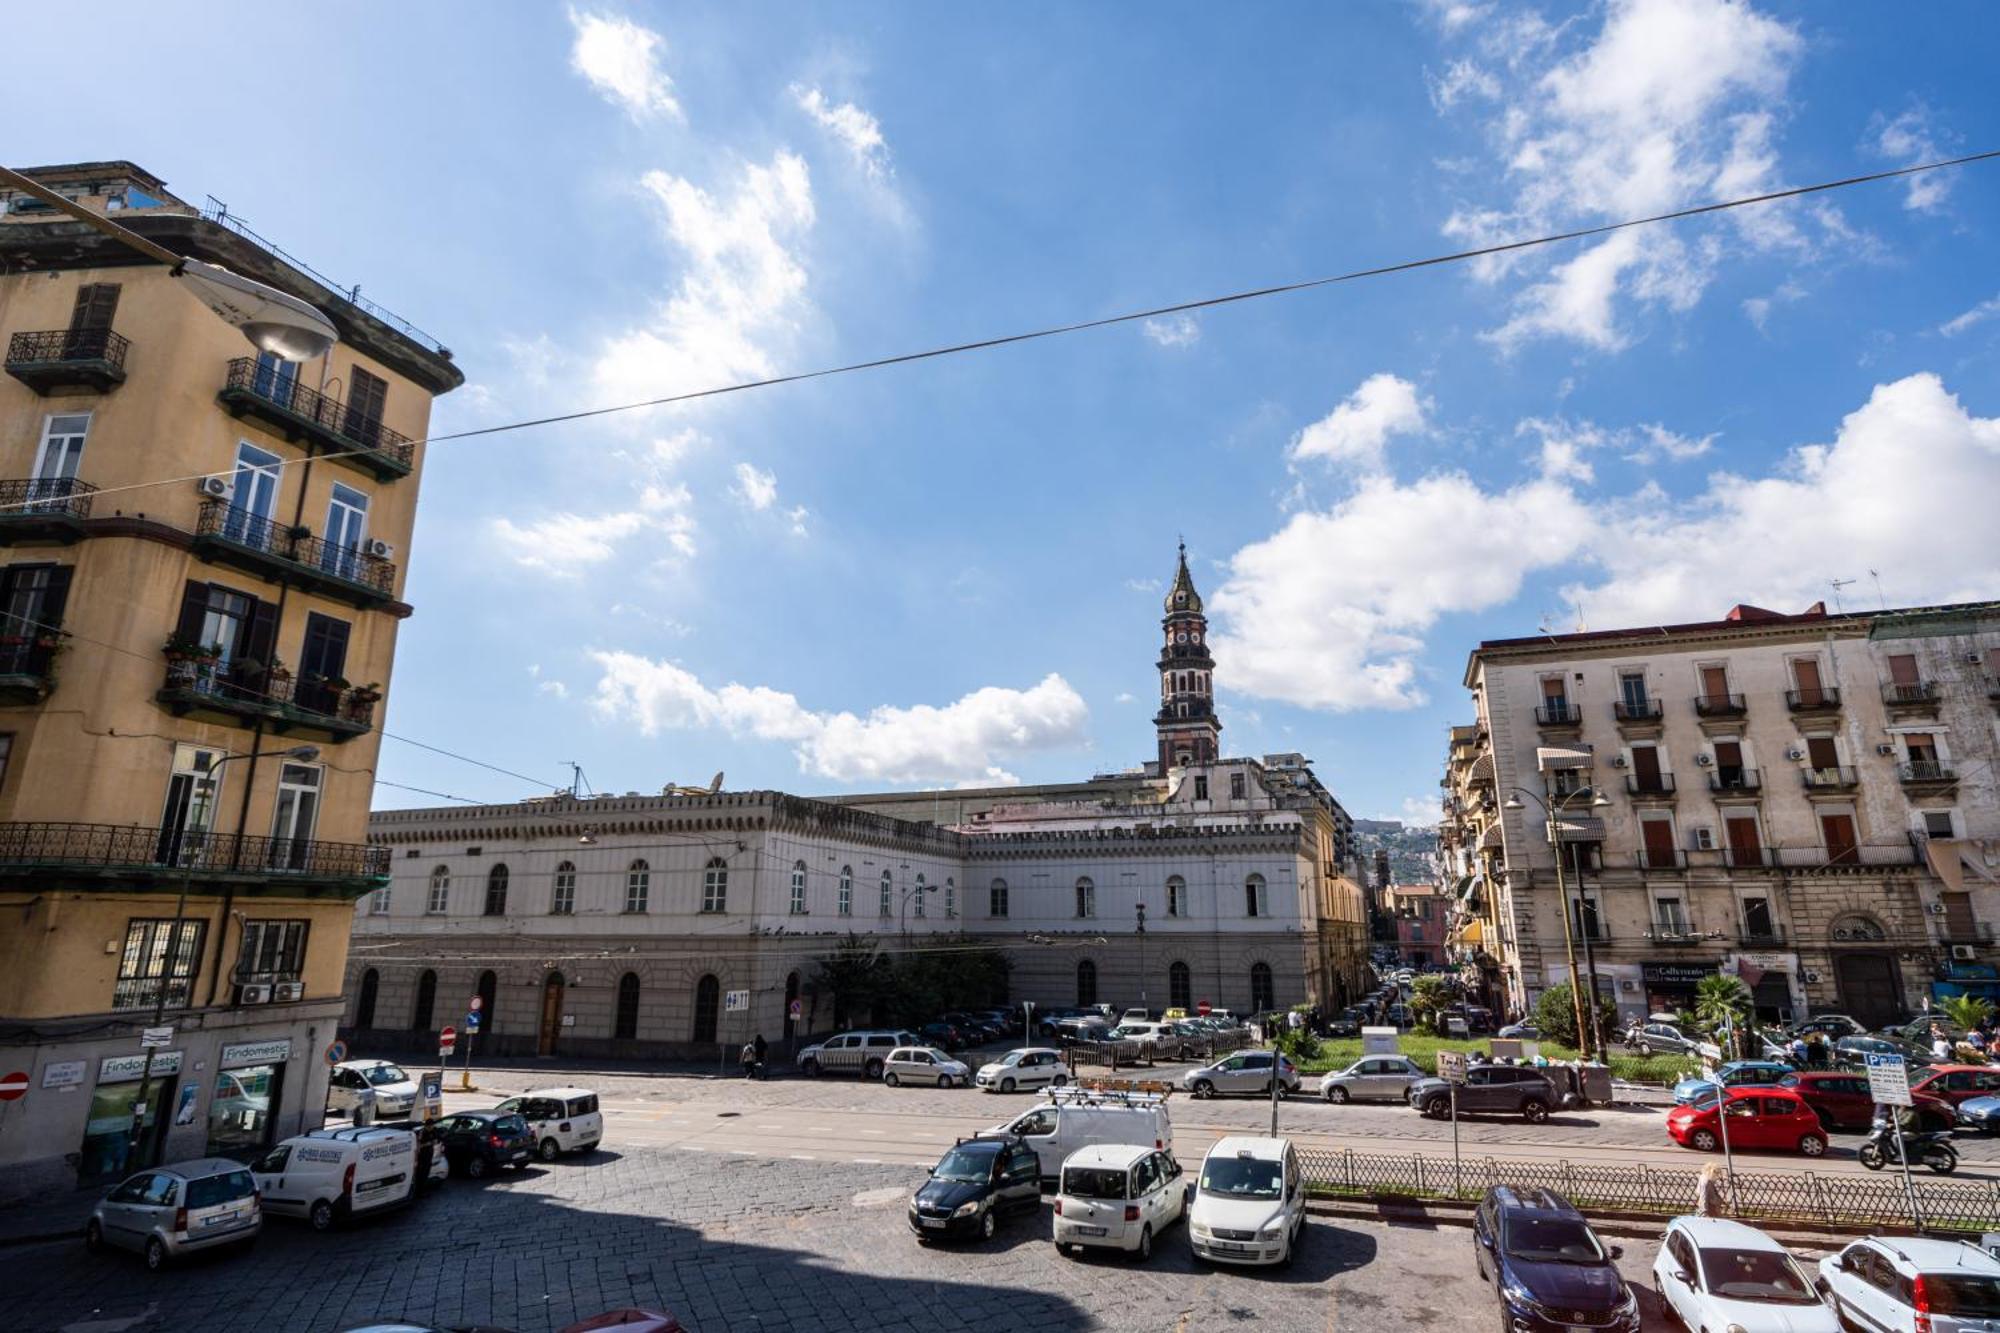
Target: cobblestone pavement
(739,1243)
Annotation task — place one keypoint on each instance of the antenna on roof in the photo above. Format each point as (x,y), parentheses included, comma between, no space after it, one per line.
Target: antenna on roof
(576,781)
(1837,585)
(1582,626)
(1880,598)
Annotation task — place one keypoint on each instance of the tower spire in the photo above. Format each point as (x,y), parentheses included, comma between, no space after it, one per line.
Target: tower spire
(1186,726)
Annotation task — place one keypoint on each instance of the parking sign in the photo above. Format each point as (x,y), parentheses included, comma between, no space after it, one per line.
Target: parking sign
(1451,1066)
(1889,1080)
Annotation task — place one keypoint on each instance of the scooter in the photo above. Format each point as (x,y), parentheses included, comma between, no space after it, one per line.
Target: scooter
(1933,1149)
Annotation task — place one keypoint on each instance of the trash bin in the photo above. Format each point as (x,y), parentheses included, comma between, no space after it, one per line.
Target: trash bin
(1568,1088)
(1597,1082)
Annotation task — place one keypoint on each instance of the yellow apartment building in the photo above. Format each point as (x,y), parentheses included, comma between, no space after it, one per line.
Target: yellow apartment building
(202,559)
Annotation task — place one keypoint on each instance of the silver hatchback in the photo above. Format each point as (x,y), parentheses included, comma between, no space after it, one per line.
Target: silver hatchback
(178,1209)
(1382,1077)
(1245,1071)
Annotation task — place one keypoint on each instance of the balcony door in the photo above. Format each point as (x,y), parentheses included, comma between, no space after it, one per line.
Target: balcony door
(193,790)
(1837,832)
(1805,675)
(1746,848)
(346,529)
(1659,843)
(1715,687)
(1959,923)
(61,452)
(1646,768)
(275,378)
(32,601)
(253,496)
(1728,764)
(1823,756)
(323,663)
(295,816)
(1632,693)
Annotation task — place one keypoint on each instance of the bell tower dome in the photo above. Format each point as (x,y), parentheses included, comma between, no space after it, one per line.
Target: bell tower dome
(1186,724)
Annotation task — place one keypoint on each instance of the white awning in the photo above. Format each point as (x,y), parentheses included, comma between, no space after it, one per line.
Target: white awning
(1563,756)
(1580,828)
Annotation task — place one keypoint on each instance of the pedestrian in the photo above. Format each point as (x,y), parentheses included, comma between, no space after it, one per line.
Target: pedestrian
(1940,1047)
(1708,1190)
(762,1047)
(749,1059)
(1800,1051)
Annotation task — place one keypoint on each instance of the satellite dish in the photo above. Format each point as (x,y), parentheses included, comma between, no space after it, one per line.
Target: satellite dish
(275,321)
(715,784)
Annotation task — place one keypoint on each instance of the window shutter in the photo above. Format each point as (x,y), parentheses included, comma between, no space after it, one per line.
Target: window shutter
(194,609)
(55,596)
(262,639)
(369,396)
(96,303)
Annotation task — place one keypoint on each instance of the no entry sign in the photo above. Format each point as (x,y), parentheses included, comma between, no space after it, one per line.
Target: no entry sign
(13,1087)
(446,1040)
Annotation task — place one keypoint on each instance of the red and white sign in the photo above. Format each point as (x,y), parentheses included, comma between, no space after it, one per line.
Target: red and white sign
(13,1087)
(1202,1009)
(446,1040)
(477,1004)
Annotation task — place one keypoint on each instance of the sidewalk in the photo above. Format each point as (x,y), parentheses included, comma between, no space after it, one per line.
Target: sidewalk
(51,1217)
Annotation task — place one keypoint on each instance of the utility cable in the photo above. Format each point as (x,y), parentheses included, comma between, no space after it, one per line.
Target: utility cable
(1080,326)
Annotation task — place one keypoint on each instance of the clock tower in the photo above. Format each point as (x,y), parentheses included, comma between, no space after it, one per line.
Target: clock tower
(1186,724)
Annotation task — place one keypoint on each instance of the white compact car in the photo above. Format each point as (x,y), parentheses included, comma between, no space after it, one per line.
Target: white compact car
(1029,1067)
(924,1064)
(1901,1284)
(1249,1203)
(1718,1274)
(330,1175)
(1119,1197)
(564,1120)
(395,1091)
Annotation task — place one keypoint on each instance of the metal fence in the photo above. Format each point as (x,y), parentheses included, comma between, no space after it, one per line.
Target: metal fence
(1807,1197)
(1128,1052)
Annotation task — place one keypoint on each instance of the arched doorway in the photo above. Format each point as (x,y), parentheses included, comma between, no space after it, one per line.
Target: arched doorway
(707,1001)
(552,1009)
(791,997)
(488,990)
(364,1014)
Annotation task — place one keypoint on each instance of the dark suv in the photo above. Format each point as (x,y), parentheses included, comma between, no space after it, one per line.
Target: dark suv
(1551,1272)
(1488,1090)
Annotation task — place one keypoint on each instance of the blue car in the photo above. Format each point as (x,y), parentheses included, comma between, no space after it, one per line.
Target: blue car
(1980,1113)
(1551,1272)
(1735,1074)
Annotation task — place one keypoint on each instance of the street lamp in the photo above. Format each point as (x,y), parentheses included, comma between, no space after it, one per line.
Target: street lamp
(1142,960)
(1587,1034)
(143,1111)
(905,905)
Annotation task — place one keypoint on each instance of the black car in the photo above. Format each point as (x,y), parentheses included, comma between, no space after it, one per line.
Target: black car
(943,1035)
(974,1183)
(477,1143)
(1549,1268)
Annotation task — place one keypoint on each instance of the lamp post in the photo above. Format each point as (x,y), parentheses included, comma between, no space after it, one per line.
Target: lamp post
(1142,960)
(143,1111)
(1586,1027)
(904,912)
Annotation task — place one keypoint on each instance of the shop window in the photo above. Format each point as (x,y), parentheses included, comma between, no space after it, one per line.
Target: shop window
(243,1108)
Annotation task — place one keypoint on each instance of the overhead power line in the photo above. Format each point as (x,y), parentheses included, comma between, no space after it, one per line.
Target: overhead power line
(1106,321)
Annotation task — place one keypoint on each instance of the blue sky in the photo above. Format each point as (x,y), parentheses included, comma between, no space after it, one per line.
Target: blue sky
(950,572)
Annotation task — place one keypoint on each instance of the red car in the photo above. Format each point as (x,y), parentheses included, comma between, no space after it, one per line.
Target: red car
(1758,1118)
(1959,1083)
(1840,1098)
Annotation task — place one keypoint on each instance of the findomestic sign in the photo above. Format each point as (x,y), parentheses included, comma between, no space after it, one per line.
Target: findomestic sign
(125,1068)
(256,1052)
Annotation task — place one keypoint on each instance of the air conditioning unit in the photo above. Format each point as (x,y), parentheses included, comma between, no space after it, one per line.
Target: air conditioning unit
(1974,659)
(1704,838)
(1795,754)
(213,486)
(1704,759)
(1962,953)
(254,995)
(380,549)
(1885,748)
(1618,761)
(288,992)
(1809,976)
(1935,909)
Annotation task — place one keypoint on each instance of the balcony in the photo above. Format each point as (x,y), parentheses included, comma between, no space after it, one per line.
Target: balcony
(56,359)
(38,510)
(1720,705)
(1656,786)
(347,435)
(1829,779)
(1926,775)
(1639,711)
(1969,932)
(1916,696)
(244,697)
(132,850)
(1749,858)
(1820,699)
(1667,859)
(1675,935)
(1854,857)
(232,536)
(1760,936)
(1558,713)
(1735,781)
(27,666)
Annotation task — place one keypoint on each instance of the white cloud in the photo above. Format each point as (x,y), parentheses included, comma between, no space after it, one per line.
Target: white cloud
(1358,429)
(565,544)
(1563,448)
(1565,445)
(1173,331)
(796,515)
(1979,314)
(1461,79)
(622,61)
(554,687)
(1907,140)
(1421,811)
(759,490)
(1645,443)
(851,127)
(959,741)
(1152,587)
(1758,308)
(1124,697)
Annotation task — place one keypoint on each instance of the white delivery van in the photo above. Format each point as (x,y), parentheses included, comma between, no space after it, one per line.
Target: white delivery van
(1073,1118)
(330,1175)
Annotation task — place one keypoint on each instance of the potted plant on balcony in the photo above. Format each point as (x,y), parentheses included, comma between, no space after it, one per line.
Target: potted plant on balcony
(189,661)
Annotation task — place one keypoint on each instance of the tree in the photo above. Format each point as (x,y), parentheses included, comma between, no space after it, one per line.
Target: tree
(855,975)
(1428,997)
(1966,1011)
(1723,1000)
(1555,1015)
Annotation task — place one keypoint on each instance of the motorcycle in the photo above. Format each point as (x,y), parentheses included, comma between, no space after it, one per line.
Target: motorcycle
(1933,1149)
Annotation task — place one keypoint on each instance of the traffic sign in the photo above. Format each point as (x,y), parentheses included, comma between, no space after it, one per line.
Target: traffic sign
(446,1040)
(1451,1066)
(1202,1009)
(156,1039)
(13,1087)
(735,1001)
(472,1021)
(476,1005)
(336,1052)
(1889,1080)
(795,1010)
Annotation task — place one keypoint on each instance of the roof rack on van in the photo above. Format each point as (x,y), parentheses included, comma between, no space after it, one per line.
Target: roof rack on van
(1102,1093)
(988,1136)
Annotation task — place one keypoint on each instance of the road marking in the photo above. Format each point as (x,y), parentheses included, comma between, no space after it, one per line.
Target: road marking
(869,1161)
(741,1152)
(803,1157)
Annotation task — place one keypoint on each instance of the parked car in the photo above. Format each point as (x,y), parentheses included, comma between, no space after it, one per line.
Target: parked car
(178,1209)
(1400,1015)
(395,1092)
(924,1064)
(1759,1118)
(1372,1078)
(1488,1090)
(1136,1016)
(1904,1283)
(1071,1120)
(1520,1032)
(1548,1267)
(478,1143)
(973,1185)
(862,1053)
(563,1120)
(1832,1026)
(1346,1024)
(1249,1202)
(328,1176)
(1715,1274)
(1028,1067)
(1855,1050)
(945,1036)
(1735,1074)
(1243,1071)
(1839,1097)
(1981,1113)
(1958,1083)
(1085,1028)
(1046,1019)
(1155,1041)
(1117,1196)
(1657,1037)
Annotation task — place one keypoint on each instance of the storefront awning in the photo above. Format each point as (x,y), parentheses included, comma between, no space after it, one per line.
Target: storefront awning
(1482,769)
(1473,934)
(1491,837)
(1580,828)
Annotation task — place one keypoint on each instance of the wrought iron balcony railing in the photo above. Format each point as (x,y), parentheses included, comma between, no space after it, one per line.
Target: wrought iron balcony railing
(1734,779)
(340,426)
(1814,700)
(39,497)
(1763,936)
(1920,771)
(1910,694)
(299,551)
(1557,714)
(1636,710)
(62,358)
(1665,859)
(135,847)
(30,655)
(253,693)
(1649,784)
(1969,932)
(1829,779)
(1720,705)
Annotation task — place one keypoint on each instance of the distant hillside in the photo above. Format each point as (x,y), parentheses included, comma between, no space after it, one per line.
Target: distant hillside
(1411,849)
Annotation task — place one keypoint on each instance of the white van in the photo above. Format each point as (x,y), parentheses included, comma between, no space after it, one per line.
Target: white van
(1075,1119)
(563,1119)
(1249,1203)
(330,1175)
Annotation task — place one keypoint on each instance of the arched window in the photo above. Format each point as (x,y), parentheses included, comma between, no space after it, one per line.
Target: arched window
(487,990)
(1086,983)
(638,886)
(1262,998)
(427,989)
(715,886)
(496,891)
(364,1012)
(950,897)
(562,896)
(707,999)
(798,888)
(627,1025)
(1255,902)
(1086,898)
(996,898)
(844,902)
(888,907)
(1857,929)
(440,895)
(1180,987)
(1176,898)
(918,893)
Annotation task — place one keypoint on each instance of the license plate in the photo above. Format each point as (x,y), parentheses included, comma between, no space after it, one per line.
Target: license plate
(1230,1246)
(1088,1231)
(219,1218)
(935,1222)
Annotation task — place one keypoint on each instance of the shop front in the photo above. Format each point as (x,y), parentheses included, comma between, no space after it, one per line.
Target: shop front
(1671,987)
(246,1097)
(108,1151)
(1774,993)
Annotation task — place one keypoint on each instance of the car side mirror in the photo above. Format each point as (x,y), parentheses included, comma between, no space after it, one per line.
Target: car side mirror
(1618,1252)
(1681,1277)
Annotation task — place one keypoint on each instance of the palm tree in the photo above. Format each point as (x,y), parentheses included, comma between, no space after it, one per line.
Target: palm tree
(1966,1011)
(1428,997)
(1722,998)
